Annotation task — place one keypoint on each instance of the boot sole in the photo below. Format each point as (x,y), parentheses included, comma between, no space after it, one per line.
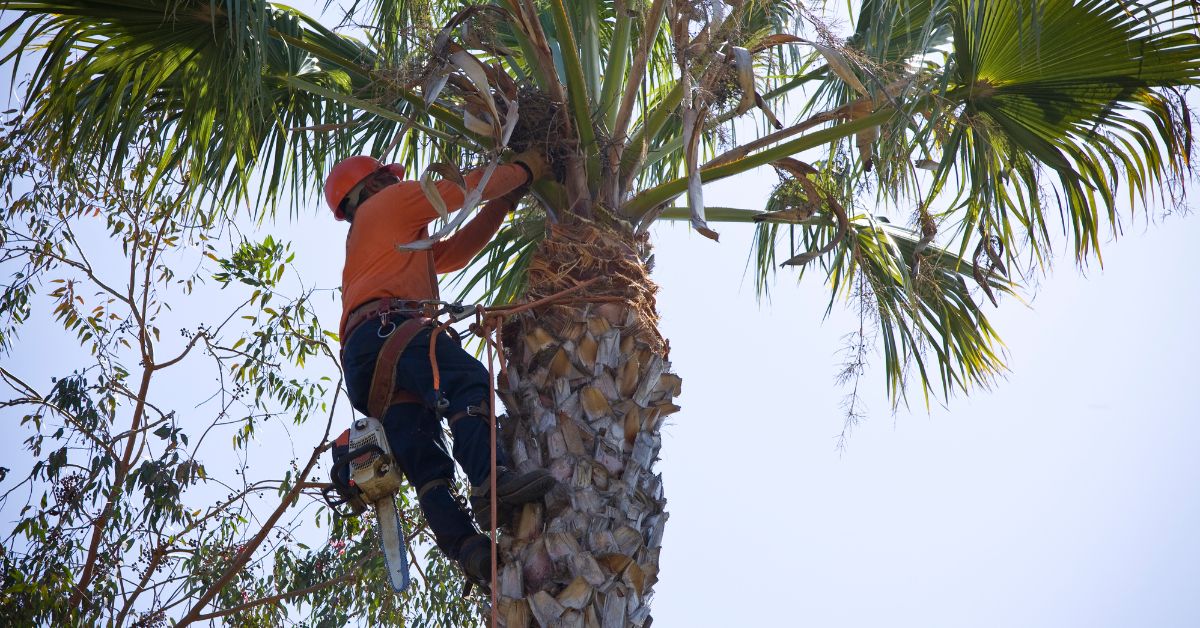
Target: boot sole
(533,490)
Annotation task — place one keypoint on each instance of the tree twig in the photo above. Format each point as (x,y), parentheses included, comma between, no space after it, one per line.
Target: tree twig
(353,574)
(239,561)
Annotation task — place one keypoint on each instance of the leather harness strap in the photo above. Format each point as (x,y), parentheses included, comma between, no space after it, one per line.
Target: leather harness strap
(404,396)
(383,381)
(379,308)
(430,485)
(480,411)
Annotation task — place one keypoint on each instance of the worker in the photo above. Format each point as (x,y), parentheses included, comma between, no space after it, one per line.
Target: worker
(385,342)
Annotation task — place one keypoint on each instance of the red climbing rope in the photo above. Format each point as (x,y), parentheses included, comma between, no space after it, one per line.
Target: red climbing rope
(487,321)
(492,489)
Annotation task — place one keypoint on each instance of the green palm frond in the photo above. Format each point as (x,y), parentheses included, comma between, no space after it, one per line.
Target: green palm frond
(895,42)
(896,31)
(397,28)
(498,273)
(1078,88)
(200,72)
(1008,103)
(890,39)
(244,95)
(923,315)
(928,318)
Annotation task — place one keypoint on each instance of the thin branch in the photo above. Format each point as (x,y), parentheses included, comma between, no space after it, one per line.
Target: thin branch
(141,430)
(85,578)
(191,343)
(239,562)
(352,575)
(156,557)
(35,398)
(86,268)
(148,267)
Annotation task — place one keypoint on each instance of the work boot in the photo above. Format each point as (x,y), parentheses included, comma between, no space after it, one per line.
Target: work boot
(512,489)
(475,560)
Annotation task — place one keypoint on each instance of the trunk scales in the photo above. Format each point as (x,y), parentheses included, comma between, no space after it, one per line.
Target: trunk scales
(589,386)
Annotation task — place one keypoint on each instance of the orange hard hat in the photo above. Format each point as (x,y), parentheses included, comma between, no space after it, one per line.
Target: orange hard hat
(350,172)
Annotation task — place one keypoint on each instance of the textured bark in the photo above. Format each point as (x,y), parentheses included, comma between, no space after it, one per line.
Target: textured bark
(588,386)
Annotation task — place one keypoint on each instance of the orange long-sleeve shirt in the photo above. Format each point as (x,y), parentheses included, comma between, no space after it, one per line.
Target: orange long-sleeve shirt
(401,213)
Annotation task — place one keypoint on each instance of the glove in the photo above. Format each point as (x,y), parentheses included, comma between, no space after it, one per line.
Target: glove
(535,161)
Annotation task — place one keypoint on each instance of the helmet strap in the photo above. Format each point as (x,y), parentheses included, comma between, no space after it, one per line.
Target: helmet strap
(355,196)
(359,193)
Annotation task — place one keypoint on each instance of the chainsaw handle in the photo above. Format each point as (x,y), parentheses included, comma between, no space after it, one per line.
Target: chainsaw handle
(334,501)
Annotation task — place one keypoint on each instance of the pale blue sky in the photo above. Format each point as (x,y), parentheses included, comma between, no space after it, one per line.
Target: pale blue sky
(1068,496)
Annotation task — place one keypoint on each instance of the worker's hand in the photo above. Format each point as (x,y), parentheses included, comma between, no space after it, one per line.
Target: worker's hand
(535,161)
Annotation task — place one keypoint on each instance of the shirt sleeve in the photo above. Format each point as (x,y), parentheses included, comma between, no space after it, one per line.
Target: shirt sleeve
(459,249)
(415,210)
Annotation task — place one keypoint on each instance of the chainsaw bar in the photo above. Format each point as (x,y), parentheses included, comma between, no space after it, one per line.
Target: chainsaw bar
(391,541)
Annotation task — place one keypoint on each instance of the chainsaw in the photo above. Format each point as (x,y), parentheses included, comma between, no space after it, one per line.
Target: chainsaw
(365,474)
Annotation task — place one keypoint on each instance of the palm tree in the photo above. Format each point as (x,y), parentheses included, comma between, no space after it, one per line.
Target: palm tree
(980,118)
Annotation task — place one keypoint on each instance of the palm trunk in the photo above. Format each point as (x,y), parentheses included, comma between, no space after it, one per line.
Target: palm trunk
(588,386)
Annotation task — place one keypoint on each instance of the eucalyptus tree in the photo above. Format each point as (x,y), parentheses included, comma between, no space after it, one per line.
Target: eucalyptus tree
(988,128)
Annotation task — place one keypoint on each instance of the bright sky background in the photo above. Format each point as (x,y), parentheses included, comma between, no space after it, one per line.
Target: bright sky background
(1068,496)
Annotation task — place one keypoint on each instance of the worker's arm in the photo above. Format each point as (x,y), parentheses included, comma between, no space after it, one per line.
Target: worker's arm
(414,208)
(459,249)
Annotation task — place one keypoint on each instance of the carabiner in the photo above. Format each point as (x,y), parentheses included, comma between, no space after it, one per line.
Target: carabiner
(440,404)
(384,322)
(457,311)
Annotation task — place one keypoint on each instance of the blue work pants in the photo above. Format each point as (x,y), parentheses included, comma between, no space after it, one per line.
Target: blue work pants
(414,431)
